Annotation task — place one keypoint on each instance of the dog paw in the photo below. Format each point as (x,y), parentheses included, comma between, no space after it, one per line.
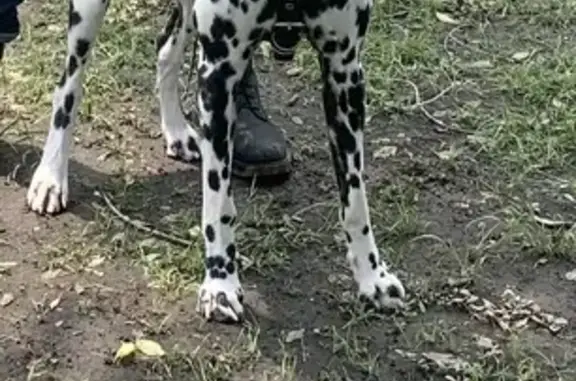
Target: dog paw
(221,299)
(48,191)
(182,147)
(381,289)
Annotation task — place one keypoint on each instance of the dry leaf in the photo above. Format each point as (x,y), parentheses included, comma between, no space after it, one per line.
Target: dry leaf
(6,299)
(482,64)
(448,154)
(446,18)
(79,289)
(51,274)
(55,303)
(520,56)
(125,350)
(297,120)
(149,348)
(7,265)
(385,152)
(95,262)
(485,342)
(294,71)
(571,275)
(295,335)
(194,231)
(446,361)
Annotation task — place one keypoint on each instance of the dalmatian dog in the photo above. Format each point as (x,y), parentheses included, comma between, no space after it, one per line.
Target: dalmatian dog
(228,32)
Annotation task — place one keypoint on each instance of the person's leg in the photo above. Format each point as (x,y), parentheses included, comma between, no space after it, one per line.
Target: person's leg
(9,23)
(260,147)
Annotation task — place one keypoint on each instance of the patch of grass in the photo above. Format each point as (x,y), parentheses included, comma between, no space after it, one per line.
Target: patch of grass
(395,218)
(537,240)
(510,64)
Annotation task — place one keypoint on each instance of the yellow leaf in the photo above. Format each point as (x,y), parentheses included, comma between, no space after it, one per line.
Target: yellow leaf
(125,350)
(150,348)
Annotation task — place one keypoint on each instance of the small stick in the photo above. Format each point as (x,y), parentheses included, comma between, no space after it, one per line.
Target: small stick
(243,261)
(140,225)
(419,105)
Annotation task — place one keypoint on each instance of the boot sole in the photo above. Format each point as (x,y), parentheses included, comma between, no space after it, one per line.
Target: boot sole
(268,169)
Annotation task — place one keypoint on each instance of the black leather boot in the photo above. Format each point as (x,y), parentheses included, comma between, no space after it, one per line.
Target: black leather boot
(260,147)
(9,23)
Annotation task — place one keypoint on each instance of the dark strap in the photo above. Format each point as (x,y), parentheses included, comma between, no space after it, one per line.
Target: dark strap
(286,32)
(289,12)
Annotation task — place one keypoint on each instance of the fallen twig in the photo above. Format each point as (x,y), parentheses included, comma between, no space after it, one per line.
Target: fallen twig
(243,261)
(9,126)
(419,105)
(554,223)
(140,225)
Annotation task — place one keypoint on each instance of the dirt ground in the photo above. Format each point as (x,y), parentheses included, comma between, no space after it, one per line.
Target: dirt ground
(470,170)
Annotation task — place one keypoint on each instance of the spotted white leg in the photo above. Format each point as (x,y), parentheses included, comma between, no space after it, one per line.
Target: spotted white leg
(48,191)
(181,139)
(337,32)
(228,31)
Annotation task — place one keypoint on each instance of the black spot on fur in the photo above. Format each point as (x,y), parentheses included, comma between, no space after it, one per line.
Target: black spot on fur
(72,65)
(177,148)
(82,46)
(192,144)
(231,251)
(362,19)
(210,234)
(206,131)
(354,181)
(213,50)
(372,259)
(339,76)
(214,273)
(357,161)
(215,98)
(214,261)
(226,219)
(329,47)
(175,14)
(365,230)
(213,180)
(344,44)
(74,17)
(69,102)
(230,268)
(355,77)
(393,291)
(377,292)
(217,274)
(343,101)
(61,119)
